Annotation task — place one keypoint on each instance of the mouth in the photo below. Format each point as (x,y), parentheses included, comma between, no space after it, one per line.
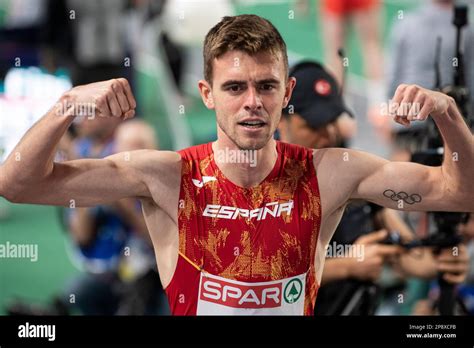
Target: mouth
(252,124)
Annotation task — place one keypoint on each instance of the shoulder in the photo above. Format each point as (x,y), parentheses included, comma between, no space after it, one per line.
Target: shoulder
(294,151)
(345,168)
(153,162)
(328,157)
(197,152)
(344,158)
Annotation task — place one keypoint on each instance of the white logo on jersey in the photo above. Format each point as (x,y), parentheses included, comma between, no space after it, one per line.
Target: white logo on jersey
(274,209)
(205,179)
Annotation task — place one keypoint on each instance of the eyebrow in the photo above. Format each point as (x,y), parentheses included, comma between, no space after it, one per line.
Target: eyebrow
(268,81)
(241,82)
(232,82)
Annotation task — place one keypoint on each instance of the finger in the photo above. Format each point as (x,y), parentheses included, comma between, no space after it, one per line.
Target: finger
(122,99)
(128,93)
(389,250)
(452,267)
(416,106)
(397,98)
(454,278)
(402,120)
(373,237)
(426,109)
(453,261)
(405,104)
(114,105)
(452,258)
(129,114)
(102,107)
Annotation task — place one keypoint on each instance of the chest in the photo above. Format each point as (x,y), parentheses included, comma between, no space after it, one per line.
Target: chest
(263,233)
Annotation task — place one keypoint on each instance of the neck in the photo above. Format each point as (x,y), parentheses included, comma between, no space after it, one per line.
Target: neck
(245,168)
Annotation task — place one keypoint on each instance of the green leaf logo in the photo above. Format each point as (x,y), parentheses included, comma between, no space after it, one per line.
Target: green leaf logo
(293,290)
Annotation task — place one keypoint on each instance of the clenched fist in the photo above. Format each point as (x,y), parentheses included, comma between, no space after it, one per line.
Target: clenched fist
(412,102)
(112,98)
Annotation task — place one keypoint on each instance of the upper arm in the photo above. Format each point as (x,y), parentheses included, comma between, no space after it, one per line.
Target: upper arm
(403,185)
(89,182)
(346,174)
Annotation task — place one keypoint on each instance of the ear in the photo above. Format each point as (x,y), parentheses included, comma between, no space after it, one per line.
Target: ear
(206,93)
(290,85)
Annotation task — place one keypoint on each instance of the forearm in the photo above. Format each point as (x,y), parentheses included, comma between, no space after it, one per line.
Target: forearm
(32,158)
(458,163)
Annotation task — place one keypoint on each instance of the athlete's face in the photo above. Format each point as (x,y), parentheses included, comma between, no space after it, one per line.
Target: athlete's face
(248,94)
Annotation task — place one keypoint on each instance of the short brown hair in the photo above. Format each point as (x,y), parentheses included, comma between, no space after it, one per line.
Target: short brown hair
(247,33)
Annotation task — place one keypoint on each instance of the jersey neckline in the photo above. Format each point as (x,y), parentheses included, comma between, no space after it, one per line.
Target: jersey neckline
(273,173)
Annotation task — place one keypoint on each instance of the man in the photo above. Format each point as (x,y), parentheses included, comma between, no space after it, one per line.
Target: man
(313,119)
(240,236)
(316,116)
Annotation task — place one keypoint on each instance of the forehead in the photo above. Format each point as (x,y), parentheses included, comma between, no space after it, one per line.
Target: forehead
(238,65)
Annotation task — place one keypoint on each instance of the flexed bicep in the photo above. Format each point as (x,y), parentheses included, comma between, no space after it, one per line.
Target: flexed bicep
(89,182)
(86,182)
(404,186)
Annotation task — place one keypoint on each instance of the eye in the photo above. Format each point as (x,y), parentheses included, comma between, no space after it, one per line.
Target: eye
(267,87)
(235,88)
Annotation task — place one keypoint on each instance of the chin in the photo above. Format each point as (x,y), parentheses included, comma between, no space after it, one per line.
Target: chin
(252,144)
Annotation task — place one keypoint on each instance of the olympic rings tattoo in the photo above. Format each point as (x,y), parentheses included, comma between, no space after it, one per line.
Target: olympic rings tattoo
(405,197)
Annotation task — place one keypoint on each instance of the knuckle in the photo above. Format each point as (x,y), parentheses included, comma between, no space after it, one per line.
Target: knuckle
(114,85)
(413,89)
(101,101)
(123,82)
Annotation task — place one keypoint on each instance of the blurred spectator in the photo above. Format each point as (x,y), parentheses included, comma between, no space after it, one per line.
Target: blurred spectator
(465,291)
(99,233)
(336,16)
(144,293)
(129,282)
(91,35)
(323,122)
(413,40)
(20,23)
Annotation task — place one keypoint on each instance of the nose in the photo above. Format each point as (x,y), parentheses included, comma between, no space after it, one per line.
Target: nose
(253,100)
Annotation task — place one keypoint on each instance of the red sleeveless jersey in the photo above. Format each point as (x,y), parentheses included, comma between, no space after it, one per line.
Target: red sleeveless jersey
(246,250)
